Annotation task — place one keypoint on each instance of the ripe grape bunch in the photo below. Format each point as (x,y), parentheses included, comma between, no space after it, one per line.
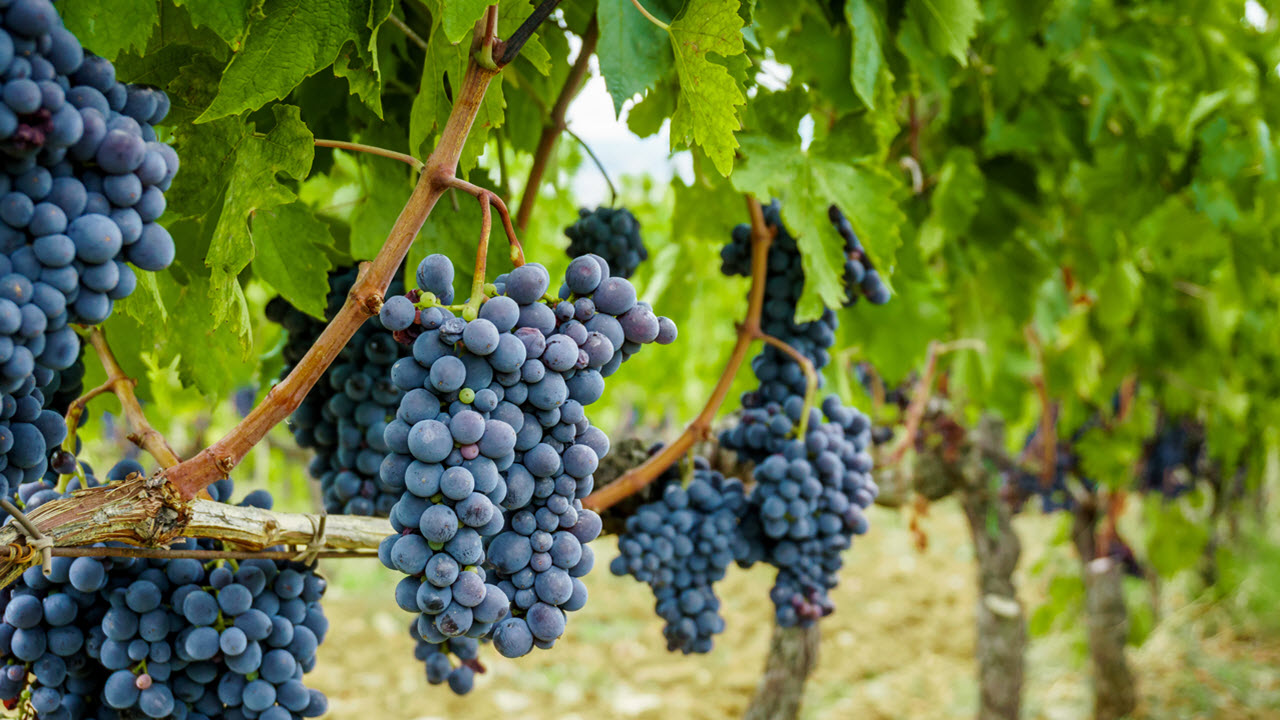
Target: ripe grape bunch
(344,415)
(779,375)
(81,191)
(613,234)
(493,448)
(681,546)
(810,491)
(133,637)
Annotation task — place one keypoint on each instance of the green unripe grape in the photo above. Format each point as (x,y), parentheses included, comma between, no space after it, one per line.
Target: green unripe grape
(466,395)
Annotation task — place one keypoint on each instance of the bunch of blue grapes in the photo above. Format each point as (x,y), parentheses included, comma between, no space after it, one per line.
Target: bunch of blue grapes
(81,190)
(494,452)
(613,234)
(809,500)
(118,637)
(343,417)
(779,375)
(810,490)
(859,274)
(1173,457)
(681,545)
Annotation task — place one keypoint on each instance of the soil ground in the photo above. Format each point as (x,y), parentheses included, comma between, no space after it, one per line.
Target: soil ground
(900,645)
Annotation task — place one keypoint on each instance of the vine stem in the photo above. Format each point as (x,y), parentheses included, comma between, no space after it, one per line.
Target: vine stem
(472,308)
(635,479)
(648,16)
(1048,419)
(143,434)
(409,160)
(555,124)
(364,299)
(613,191)
(924,390)
(810,378)
(167,554)
(486,197)
(507,50)
(414,37)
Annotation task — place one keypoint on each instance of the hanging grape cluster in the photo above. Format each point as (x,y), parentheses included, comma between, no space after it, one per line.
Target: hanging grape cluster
(493,451)
(613,234)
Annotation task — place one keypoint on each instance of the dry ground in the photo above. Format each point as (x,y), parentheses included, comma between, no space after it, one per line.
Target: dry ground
(899,646)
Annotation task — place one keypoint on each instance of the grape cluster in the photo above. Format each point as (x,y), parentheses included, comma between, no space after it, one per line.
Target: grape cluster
(809,502)
(810,491)
(779,375)
(81,191)
(859,273)
(1173,458)
(343,417)
(131,637)
(493,450)
(681,545)
(611,234)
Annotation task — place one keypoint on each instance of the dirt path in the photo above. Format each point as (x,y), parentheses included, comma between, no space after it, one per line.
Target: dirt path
(900,645)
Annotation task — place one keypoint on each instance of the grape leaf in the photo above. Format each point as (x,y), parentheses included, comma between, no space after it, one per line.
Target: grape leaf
(110,27)
(460,17)
(948,25)
(807,184)
(228,18)
(172,322)
(706,112)
(867,56)
(955,200)
(285,241)
(384,188)
(253,187)
(292,41)
(358,61)
(634,53)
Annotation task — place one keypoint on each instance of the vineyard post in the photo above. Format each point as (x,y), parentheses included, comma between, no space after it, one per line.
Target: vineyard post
(1002,622)
(1106,619)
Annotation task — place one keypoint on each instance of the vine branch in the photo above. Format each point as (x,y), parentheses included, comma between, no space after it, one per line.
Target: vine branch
(510,47)
(365,298)
(924,390)
(635,479)
(409,160)
(141,512)
(486,197)
(409,33)
(649,16)
(118,382)
(555,123)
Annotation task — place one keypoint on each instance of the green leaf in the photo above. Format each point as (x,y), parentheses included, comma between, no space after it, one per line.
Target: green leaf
(634,53)
(173,323)
(867,56)
(358,61)
(807,184)
(384,188)
(228,18)
(287,241)
(706,112)
(293,40)
(948,25)
(460,17)
(960,188)
(253,187)
(110,27)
